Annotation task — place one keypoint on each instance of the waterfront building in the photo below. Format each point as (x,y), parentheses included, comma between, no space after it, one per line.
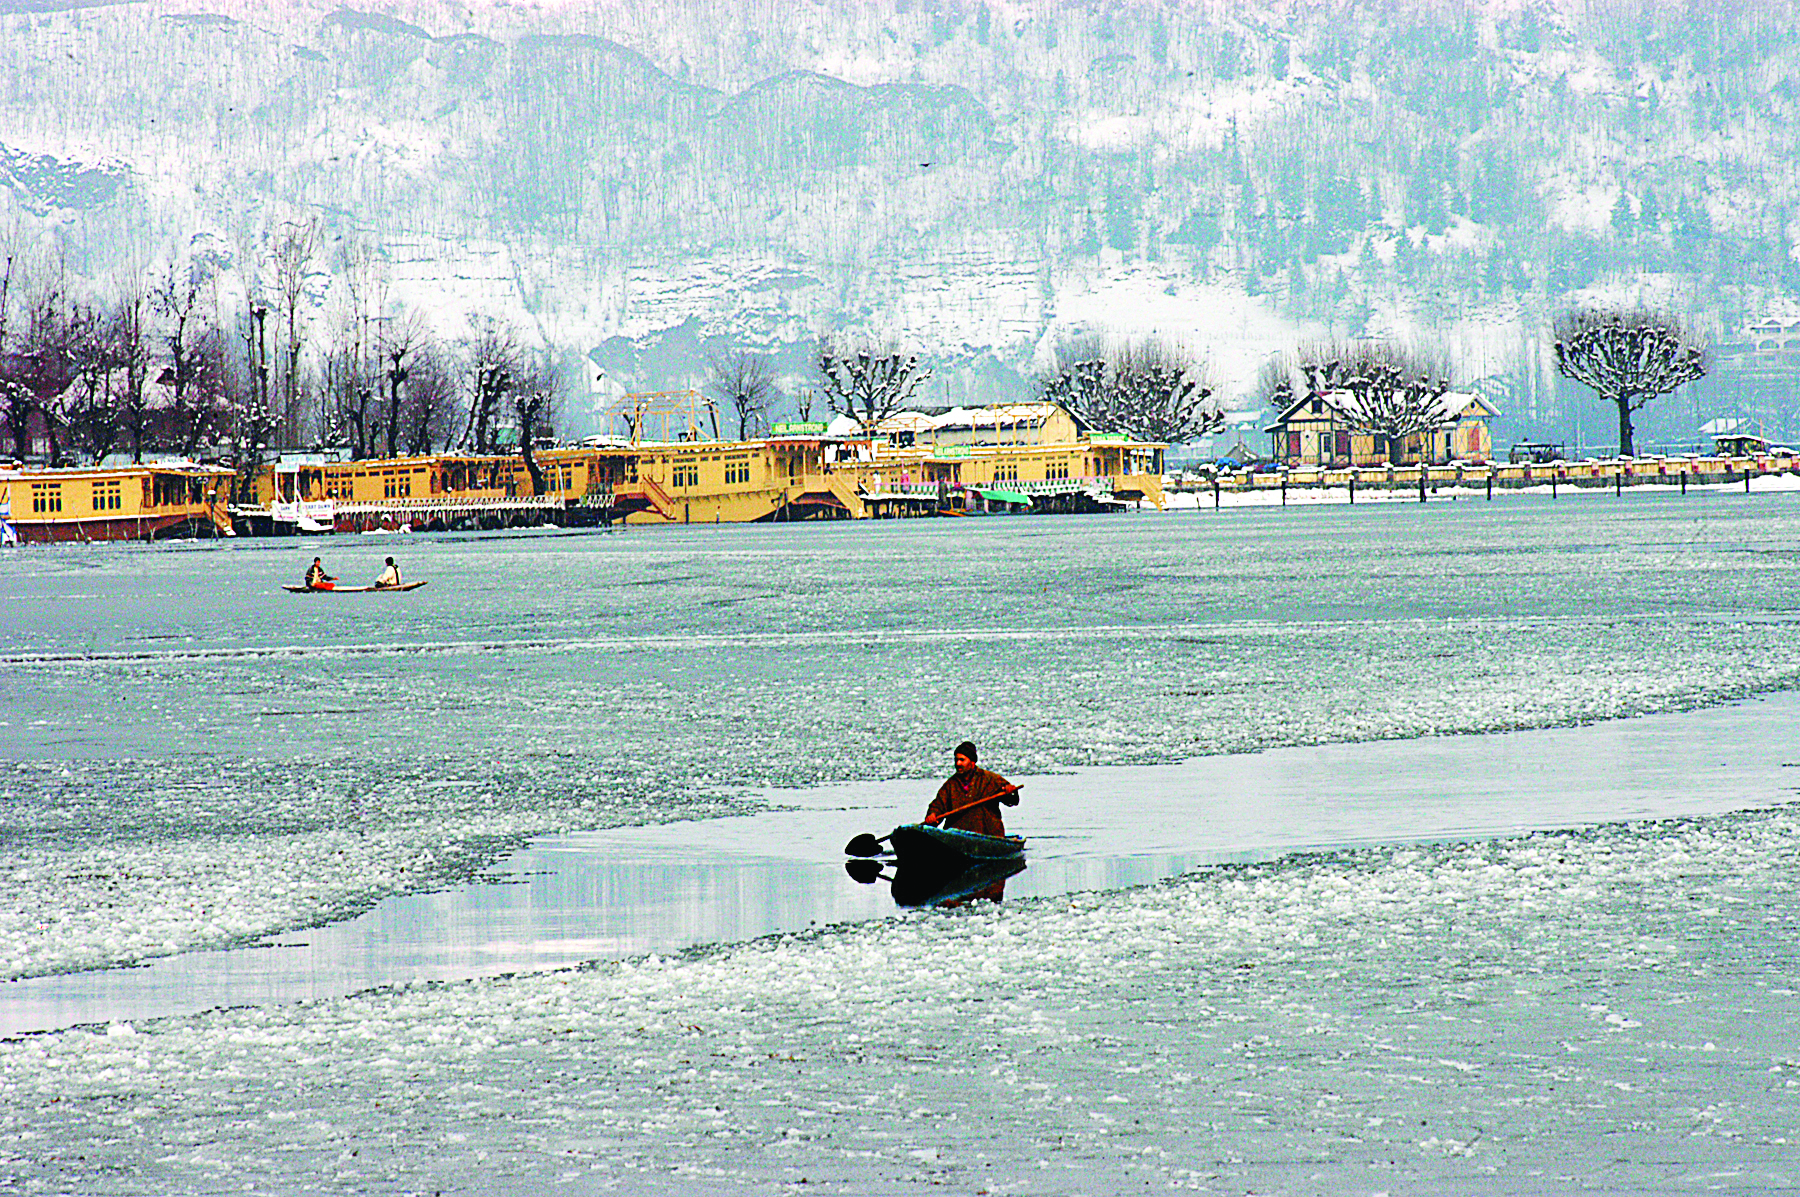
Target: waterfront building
(1323,430)
(321,493)
(1008,457)
(120,502)
(1013,458)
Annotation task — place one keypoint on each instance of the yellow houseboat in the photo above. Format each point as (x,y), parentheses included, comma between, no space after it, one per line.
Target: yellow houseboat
(127,502)
(1012,457)
(1020,457)
(310,493)
(799,473)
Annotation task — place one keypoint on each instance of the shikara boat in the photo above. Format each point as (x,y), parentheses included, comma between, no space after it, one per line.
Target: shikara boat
(352,589)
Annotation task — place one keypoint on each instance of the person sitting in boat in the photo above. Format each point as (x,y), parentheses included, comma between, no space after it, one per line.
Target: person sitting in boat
(317,578)
(389,576)
(971,799)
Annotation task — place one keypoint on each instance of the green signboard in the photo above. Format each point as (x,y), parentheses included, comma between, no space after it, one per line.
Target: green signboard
(799,428)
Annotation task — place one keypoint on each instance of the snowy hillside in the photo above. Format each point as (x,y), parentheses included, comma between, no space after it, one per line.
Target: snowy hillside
(973,178)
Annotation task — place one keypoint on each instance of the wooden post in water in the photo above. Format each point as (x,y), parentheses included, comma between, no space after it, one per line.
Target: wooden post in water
(1619,481)
(1490,484)
(1684,481)
(1353,488)
(1215,492)
(1421,482)
(1284,487)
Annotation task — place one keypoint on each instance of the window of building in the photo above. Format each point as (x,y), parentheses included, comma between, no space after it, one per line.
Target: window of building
(108,495)
(46,498)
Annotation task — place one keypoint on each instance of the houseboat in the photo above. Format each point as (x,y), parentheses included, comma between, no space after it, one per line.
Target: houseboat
(1006,458)
(313,493)
(121,502)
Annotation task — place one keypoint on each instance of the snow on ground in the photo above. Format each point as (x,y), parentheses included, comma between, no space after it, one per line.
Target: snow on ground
(1605,1010)
(1314,495)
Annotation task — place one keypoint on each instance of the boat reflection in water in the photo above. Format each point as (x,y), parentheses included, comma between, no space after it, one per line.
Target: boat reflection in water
(940,881)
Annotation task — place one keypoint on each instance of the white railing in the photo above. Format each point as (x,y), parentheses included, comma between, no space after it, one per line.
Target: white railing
(1034,486)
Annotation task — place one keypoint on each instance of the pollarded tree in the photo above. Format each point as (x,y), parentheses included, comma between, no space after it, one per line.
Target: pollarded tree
(866,383)
(1161,396)
(1384,391)
(1148,391)
(1628,358)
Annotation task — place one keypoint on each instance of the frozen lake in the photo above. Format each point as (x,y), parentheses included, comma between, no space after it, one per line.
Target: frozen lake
(1420,995)
(637,890)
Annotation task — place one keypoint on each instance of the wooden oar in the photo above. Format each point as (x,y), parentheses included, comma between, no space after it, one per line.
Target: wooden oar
(932,821)
(868,845)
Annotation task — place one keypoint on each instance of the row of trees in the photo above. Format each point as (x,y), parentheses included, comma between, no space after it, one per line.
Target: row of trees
(170,364)
(1153,390)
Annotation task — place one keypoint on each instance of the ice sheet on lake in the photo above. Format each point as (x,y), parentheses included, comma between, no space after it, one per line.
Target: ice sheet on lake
(1612,1009)
(196,758)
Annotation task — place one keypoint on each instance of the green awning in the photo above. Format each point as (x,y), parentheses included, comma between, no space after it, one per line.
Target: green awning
(1004,496)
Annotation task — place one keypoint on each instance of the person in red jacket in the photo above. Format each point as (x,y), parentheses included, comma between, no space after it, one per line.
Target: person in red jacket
(976,788)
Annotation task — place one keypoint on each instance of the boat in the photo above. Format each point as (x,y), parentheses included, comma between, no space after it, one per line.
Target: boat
(927,843)
(350,589)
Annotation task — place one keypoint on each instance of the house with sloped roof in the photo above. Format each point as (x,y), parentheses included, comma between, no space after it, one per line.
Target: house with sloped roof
(1323,430)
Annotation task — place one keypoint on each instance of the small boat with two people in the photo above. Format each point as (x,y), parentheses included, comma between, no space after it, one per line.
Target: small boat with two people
(320,582)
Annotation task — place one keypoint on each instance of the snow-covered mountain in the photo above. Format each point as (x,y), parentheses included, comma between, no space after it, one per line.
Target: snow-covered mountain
(644,182)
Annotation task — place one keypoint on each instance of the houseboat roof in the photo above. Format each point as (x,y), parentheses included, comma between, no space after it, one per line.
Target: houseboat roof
(942,419)
(15,471)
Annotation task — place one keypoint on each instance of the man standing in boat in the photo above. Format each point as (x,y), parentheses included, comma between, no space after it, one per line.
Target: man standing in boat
(317,578)
(971,799)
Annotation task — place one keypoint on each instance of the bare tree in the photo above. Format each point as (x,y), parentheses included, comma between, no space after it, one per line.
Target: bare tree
(1386,392)
(431,414)
(867,383)
(1628,358)
(126,334)
(745,383)
(1161,396)
(536,401)
(1274,385)
(192,372)
(400,345)
(90,410)
(15,399)
(42,365)
(349,384)
(1149,390)
(291,258)
(492,360)
(1078,382)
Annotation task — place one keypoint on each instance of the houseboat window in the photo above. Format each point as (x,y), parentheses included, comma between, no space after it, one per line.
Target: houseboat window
(46,498)
(108,496)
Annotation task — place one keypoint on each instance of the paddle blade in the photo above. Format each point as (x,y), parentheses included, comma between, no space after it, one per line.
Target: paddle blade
(863,872)
(863,845)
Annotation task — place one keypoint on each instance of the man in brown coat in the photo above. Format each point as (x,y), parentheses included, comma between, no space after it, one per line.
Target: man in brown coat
(973,784)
